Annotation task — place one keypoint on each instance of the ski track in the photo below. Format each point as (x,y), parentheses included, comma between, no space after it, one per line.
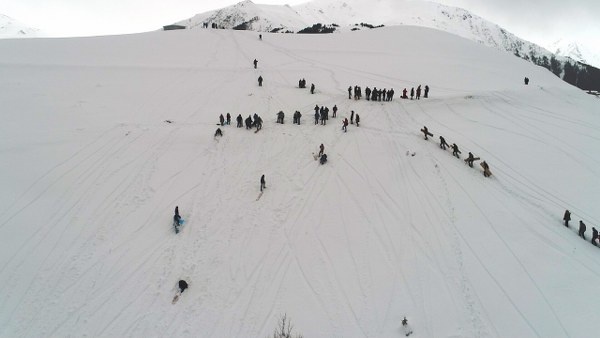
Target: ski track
(242,257)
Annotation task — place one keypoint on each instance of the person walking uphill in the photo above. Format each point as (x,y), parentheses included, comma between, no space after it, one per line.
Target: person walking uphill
(262,183)
(255,63)
(582,229)
(567,217)
(260,81)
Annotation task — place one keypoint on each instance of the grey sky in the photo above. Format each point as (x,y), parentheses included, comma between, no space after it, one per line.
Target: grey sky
(539,21)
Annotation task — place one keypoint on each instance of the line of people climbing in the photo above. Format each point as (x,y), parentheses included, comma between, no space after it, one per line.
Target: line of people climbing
(456,152)
(582,228)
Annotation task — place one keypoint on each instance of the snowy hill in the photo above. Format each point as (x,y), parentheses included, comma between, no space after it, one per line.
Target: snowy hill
(573,50)
(11,28)
(91,173)
(343,16)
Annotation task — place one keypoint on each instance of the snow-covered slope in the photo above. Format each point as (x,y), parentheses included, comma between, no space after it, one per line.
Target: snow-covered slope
(575,51)
(91,172)
(11,28)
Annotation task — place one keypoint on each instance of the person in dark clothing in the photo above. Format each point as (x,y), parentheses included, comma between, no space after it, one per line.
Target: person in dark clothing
(183,285)
(567,217)
(419,92)
(260,80)
(316,116)
(426,91)
(390,94)
(443,143)
(218,132)
(582,229)
(321,149)
(176,220)
(357,119)
(345,125)
(486,169)
(526,80)
(239,120)
(352,117)
(404,94)
(297,116)
(228,120)
(594,236)
(255,63)
(334,111)
(470,159)
(426,132)
(262,183)
(412,92)
(258,123)
(312,88)
(323,159)
(280,117)
(350,93)
(455,150)
(260,37)
(368,93)
(222,120)
(248,122)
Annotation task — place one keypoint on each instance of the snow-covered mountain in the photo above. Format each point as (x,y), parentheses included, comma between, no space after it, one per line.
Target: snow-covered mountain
(350,14)
(575,51)
(102,137)
(11,28)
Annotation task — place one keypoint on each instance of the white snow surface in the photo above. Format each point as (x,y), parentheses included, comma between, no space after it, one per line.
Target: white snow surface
(11,28)
(91,173)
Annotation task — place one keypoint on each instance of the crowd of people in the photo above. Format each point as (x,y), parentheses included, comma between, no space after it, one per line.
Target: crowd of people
(385,94)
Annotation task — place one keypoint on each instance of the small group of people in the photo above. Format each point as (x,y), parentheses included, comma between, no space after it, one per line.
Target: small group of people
(371,94)
(322,114)
(225,120)
(302,84)
(455,152)
(582,228)
(417,92)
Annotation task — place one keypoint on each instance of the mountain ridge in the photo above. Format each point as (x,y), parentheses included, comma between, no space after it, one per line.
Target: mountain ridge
(352,15)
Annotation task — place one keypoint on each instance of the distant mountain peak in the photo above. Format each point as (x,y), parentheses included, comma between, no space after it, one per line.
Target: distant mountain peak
(11,28)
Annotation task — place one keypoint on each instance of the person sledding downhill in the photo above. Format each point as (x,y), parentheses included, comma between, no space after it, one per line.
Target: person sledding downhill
(323,159)
(182,286)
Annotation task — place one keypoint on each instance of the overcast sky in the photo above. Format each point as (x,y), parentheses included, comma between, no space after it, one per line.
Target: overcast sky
(540,21)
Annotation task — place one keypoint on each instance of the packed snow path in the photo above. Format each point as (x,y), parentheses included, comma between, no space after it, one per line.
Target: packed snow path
(91,173)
